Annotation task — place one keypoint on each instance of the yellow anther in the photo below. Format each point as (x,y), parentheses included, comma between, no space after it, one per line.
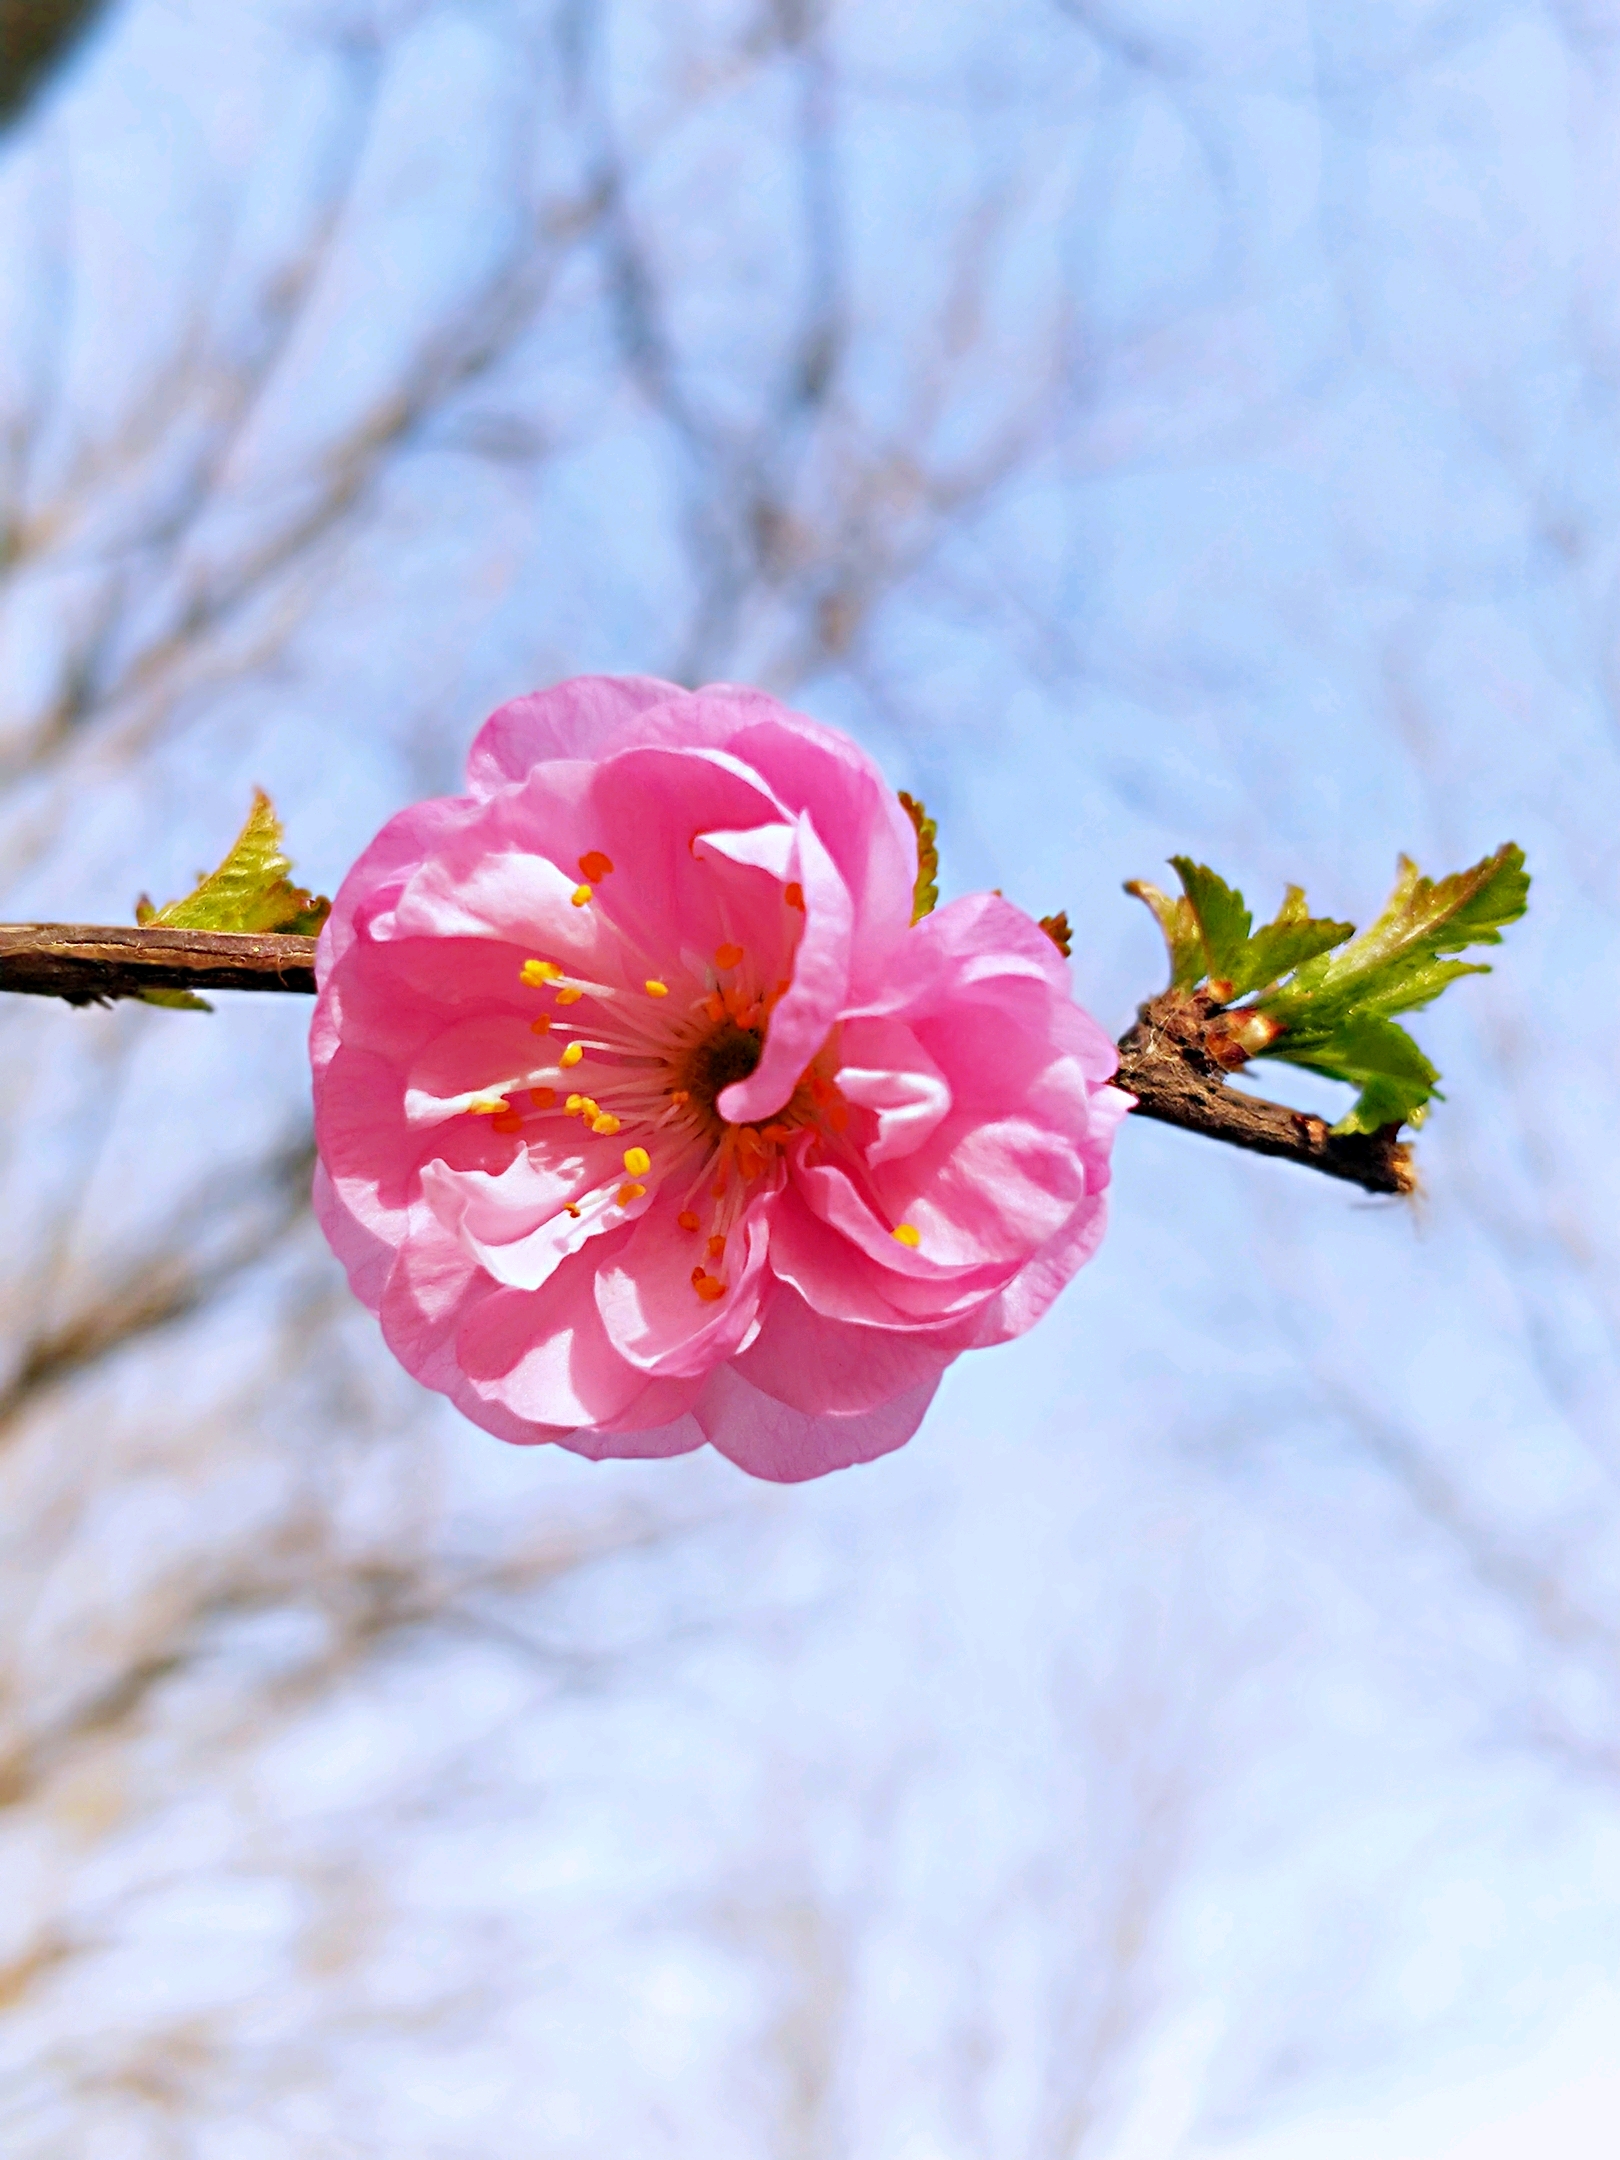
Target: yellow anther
(607,1124)
(627,1193)
(573,1106)
(580,895)
(637,1161)
(569,994)
(654,988)
(489,1105)
(590,1106)
(535,972)
(596,865)
(572,1055)
(907,1234)
(727,956)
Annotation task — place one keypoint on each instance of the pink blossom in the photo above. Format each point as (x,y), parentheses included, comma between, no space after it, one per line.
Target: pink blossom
(647,1117)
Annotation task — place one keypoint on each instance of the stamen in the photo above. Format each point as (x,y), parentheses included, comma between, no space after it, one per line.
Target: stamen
(573,1106)
(606,1124)
(907,1234)
(727,956)
(510,1122)
(536,972)
(627,1193)
(489,1106)
(637,1161)
(793,895)
(686,1219)
(708,1287)
(595,865)
(542,1098)
(572,1055)
(569,994)
(570,1209)
(717,1246)
(655,988)
(542,1026)
(580,896)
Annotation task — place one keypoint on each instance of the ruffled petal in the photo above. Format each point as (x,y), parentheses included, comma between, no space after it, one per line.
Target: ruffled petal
(769,1440)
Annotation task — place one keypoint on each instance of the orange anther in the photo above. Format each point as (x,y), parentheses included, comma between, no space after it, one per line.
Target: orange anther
(570,1209)
(779,1133)
(793,895)
(717,1246)
(507,1122)
(715,1005)
(627,1193)
(569,994)
(542,1098)
(595,865)
(686,1219)
(727,956)
(708,1287)
(542,1026)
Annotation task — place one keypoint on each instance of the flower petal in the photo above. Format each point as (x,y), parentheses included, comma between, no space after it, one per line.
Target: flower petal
(769,1440)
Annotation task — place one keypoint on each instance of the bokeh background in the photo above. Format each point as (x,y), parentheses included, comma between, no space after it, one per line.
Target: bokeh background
(1146,426)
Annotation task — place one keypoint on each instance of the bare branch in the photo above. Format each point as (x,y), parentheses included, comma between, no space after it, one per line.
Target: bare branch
(92,963)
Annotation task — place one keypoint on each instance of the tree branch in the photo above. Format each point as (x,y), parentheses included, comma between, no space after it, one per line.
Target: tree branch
(1175,1063)
(1174,1060)
(92,963)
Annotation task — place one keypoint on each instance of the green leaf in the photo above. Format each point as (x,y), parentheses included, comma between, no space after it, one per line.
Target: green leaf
(1179,927)
(1395,965)
(251,892)
(1377,1056)
(925,894)
(1222,918)
(1285,944)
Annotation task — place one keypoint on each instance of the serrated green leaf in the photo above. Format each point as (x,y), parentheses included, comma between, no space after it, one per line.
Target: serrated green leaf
(1395,965)
(1286,943)
(251,891)
(1223,920)
(925,893)
(1179,927)
(1377,1056)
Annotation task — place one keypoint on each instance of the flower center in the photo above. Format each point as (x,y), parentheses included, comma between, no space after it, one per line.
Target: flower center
(714,1063)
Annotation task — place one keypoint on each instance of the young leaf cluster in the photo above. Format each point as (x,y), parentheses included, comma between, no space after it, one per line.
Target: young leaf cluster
(1320,996)
(925,894)
(251,892)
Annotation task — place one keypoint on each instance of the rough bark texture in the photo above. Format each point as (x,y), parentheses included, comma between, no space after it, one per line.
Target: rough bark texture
(92,963)
(1173,1060)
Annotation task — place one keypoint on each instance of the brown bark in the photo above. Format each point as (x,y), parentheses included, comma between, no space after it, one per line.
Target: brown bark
(1174,1060)
(92,963)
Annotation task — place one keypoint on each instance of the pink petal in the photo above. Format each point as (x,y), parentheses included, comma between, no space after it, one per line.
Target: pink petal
(653,1315)
(577,719)
(769,1440)
(819,1365)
